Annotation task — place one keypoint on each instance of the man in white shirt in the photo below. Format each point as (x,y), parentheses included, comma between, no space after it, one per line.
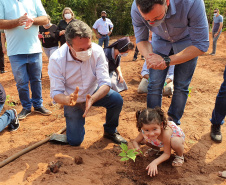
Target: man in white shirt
(103,28)
(79,79)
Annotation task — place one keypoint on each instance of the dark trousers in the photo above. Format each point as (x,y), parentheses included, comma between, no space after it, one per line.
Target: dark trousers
(2,65)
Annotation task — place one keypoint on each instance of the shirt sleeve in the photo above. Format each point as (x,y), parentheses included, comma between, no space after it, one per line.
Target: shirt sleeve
(57,80)
(145,70)
(111,24)
(95,24)
(2,10)
(140,29)
(198,26)
(102,71)
(40,9)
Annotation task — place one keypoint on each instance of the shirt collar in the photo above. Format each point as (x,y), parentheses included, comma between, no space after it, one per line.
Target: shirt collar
(171,9)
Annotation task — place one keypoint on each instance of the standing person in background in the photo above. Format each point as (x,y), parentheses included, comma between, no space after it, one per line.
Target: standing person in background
(217,26)
(68,16)
(2,52)
(103,28)
(48,37)
(9,118)
(20,20)
(113,54)
(219,112)
(179,35)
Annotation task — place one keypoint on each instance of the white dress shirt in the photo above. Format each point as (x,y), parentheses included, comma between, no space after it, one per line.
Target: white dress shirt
(66,73)
(103,26)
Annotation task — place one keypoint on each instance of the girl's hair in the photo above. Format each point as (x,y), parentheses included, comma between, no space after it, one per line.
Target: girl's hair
(150,116)
(72,13)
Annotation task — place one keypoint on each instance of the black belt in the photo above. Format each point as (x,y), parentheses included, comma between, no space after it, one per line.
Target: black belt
(103,35)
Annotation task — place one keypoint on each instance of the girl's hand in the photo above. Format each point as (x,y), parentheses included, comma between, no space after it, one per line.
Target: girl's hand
(152,169)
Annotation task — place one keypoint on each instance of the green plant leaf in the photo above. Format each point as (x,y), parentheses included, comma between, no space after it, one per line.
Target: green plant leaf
(130,152)
(124,146)
(133,157)
(124,159)
(122,154)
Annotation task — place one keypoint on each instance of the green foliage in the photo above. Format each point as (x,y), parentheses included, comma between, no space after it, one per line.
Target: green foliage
(8,102)
(127,154)
(89,11)
(189,93)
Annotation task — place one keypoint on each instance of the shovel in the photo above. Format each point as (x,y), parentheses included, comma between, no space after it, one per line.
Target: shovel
(54,137)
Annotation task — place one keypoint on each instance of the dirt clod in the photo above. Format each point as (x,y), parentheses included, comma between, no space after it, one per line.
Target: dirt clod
(78,160)
(54,167)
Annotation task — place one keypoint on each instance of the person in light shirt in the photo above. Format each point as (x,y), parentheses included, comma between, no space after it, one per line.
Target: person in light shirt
(180,34)
(79,79)
(103,28)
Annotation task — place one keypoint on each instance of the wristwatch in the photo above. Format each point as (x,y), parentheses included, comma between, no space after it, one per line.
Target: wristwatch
(167,61)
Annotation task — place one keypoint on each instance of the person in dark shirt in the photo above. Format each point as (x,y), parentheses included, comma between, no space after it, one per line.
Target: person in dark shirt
(113,54)
(48,37)
(9,118)
(68,16)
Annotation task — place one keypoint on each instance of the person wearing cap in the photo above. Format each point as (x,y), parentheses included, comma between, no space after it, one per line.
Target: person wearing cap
(79,79)
(113,54)
(103,28)
(180,34)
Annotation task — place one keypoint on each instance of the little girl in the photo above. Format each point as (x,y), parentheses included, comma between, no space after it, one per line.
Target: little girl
(156,130)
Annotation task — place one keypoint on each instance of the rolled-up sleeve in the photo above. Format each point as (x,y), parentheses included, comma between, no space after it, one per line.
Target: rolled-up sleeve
(102,71)
(140,29)
(198,26)
(57,80)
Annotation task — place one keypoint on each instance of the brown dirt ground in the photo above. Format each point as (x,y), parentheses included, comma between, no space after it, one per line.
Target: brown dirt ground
(101,163)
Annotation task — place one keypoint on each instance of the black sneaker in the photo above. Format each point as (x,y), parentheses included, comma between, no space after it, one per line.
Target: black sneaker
(116,138)
(42,110)
(23,114)
(3,71)
(14,125)
(215,133)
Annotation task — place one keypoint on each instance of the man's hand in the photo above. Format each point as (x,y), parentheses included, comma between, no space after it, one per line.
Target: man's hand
(99,36)
(73,97)
(155,61)
(89,103)
(25,20)
(4,50)
(215,35)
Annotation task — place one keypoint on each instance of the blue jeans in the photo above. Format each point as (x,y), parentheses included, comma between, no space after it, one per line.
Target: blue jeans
(219,110)
(215,41)
(104,39)
(182,77)
(6,118)
(49,51)
(28,68)
(75,122)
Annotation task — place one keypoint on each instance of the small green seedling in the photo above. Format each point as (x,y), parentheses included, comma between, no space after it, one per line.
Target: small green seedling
(189,93)
(127,154)
(11,104)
